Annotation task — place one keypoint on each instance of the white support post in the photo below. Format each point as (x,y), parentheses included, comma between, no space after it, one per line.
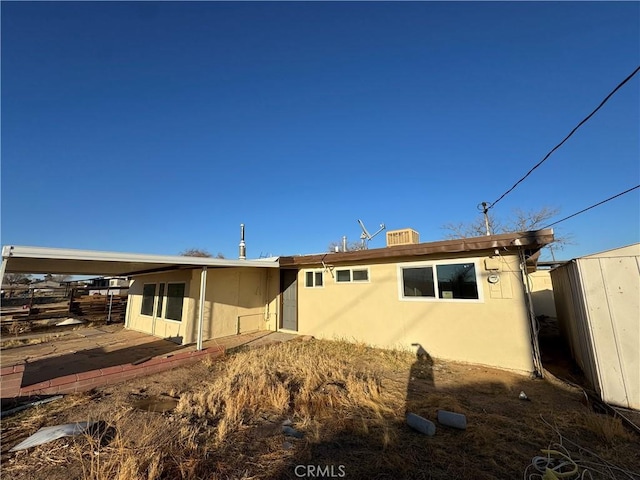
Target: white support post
(203,290)
(2,269)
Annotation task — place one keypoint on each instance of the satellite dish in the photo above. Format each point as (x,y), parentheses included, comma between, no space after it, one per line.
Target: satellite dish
(365,236)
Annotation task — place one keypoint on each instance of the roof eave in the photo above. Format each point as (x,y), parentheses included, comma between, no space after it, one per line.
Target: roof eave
(533,240)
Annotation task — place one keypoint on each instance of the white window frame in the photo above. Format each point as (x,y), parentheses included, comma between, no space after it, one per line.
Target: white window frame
(314,271)
(434,264)
(161,286)
(351,280)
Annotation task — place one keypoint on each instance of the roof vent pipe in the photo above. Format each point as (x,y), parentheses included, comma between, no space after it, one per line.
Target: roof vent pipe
(344,243)
(243,247)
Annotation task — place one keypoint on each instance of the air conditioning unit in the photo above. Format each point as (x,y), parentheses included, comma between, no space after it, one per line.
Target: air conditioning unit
(406,236)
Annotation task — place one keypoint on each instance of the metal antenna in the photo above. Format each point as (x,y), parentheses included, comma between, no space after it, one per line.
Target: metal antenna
(365,236)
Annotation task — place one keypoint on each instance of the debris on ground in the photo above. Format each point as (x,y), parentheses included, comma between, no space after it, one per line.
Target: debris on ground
(421,424)
(20,408)
(70,321)
(49,434)
(291,432)
(451,419)
(523,396)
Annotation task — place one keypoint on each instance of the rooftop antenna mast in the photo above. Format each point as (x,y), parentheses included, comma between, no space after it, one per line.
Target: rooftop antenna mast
(365,236)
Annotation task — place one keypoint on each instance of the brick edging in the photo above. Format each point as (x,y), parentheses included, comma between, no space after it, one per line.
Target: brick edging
(11,376)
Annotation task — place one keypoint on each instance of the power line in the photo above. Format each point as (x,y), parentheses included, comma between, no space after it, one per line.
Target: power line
(592,206)
(567,137)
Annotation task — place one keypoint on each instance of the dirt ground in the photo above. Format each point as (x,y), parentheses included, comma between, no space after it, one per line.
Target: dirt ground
(359,436)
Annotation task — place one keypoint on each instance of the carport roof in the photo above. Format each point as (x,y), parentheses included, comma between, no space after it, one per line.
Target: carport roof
(20,259)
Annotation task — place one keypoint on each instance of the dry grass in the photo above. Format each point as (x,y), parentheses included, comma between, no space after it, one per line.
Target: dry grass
(349,402)
(307,382)
(18,327)
(6,344)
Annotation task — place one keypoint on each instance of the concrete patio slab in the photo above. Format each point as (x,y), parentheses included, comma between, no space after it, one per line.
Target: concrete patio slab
(92,349)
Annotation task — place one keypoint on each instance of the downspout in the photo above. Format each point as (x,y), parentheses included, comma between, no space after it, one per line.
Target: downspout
(533,322)
(203,289)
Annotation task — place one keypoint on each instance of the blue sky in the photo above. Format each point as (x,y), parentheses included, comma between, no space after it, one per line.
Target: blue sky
(156,126)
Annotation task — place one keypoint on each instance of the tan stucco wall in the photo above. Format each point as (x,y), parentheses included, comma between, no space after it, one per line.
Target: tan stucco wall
(249,294)
(159,326)
(239,294)
(492,331)
(542,293)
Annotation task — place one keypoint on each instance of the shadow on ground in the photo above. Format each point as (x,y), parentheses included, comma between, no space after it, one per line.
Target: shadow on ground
(86,360)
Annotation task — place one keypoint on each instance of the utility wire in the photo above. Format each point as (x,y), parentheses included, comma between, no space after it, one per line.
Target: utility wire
(592,206)
(567,137)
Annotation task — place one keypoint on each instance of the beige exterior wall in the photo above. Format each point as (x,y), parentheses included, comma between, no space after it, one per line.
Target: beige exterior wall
(492,331)
(156,325)
(244,297)
(542,293)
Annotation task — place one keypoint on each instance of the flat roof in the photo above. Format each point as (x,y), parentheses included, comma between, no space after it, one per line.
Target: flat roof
(532,240)
(21,259)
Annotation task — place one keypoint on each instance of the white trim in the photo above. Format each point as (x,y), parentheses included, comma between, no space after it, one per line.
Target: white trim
(314,270)
(203,291)
(351,280)
(163,296)
(434,264)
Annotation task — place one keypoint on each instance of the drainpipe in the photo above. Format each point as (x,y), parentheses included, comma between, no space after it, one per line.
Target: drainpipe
(533,323)
(203,289)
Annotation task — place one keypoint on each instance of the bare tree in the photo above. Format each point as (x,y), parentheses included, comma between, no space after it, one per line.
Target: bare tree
(351,246)
(197,252)
(519,221)
(16,278)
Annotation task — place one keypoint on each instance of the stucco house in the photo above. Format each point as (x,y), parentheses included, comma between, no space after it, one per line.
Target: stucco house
(462,299)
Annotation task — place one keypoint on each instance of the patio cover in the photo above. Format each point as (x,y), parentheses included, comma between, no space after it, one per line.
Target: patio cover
(19,259)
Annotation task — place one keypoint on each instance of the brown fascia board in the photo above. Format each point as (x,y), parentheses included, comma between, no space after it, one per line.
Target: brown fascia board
(532,241)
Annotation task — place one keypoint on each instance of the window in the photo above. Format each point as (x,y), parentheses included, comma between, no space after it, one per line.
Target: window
(160,300)
(348,275)
(343,275)
(418,282)
(175,296)
(451,281)
(148,294)
(360,275)
(313,279)
(457,280)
